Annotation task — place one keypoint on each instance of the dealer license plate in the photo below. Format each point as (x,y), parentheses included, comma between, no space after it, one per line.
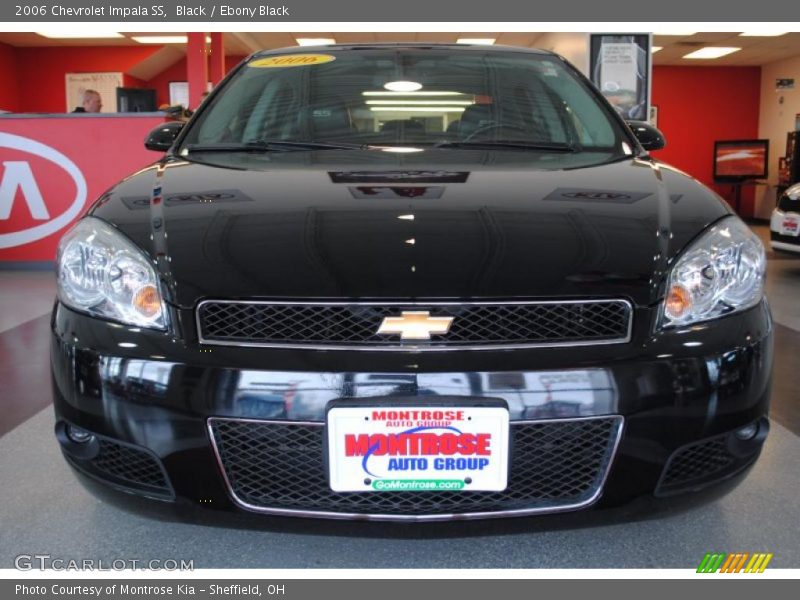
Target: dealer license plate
(417,448)
(790,225)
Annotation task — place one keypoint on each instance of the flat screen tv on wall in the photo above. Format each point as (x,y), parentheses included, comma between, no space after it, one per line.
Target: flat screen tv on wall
(737,160)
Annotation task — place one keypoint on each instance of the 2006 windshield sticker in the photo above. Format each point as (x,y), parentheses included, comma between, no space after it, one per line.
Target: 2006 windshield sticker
(291,60)
(418,449)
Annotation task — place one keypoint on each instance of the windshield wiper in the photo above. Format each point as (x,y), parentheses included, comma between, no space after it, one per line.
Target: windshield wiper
(271,146)
(550,147)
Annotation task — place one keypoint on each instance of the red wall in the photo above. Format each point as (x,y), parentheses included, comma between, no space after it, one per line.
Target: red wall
(177,72)
(34,78)
(42,71)
(9,76)
(697,105)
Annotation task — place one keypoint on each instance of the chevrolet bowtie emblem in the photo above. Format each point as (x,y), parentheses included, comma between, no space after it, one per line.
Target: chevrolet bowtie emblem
(415,325)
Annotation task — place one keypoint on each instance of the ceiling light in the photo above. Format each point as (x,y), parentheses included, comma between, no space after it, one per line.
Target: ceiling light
(711,52)
(763,33)
(655,49)
(415,94)
(478,41)
(401,150)
(164,39)
(315,41)
(419,102)
(676,32)
(79,34)
(402,86)
(437,109)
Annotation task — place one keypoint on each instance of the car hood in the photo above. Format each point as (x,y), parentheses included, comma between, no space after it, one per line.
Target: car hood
(436,224)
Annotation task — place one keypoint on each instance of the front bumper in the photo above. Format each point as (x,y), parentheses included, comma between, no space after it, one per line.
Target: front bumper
(152,399)
(778,238)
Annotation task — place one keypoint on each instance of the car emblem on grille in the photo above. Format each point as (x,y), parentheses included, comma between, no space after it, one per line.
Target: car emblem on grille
(415,325)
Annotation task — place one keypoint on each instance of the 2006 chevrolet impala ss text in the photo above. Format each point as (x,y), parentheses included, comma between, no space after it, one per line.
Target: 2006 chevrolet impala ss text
(409,282)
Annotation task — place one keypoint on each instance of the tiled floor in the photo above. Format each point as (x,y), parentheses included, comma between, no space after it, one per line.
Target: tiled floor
(38,489)
(25,295)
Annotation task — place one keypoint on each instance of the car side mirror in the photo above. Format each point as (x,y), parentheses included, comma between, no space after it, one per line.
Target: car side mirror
(162,137)
(649,137)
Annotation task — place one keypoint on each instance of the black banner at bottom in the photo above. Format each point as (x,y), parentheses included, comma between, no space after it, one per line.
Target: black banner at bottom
(380,589)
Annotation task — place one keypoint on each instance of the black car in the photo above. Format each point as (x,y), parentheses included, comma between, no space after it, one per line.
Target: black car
(409,282)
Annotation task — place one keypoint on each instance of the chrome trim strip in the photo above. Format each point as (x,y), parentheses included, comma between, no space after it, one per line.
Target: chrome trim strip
(411,347)
(415,518)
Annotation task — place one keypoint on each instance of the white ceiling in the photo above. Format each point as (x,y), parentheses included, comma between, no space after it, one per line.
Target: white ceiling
(755,50)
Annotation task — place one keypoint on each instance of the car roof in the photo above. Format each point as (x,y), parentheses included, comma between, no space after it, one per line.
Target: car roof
(400,46)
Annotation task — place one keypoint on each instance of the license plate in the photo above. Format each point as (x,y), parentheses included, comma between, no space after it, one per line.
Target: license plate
(417,448)
(790,225)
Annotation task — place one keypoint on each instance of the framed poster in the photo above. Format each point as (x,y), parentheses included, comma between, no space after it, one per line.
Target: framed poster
(619,65)
(179,93)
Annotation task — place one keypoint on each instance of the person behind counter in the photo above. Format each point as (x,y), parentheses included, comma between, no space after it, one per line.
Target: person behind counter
(92,102)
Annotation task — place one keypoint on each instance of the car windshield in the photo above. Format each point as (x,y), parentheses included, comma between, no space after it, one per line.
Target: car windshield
(443,97)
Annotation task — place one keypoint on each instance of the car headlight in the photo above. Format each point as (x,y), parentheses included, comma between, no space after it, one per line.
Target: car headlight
(103,273)
(719,273)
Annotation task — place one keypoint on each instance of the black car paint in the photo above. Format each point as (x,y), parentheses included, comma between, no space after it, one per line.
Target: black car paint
(311,225)
(508,231)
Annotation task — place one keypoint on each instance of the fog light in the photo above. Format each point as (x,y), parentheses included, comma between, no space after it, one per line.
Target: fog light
(78,435)
(748,432)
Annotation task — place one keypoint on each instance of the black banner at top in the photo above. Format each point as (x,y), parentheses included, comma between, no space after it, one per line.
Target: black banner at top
(450,11)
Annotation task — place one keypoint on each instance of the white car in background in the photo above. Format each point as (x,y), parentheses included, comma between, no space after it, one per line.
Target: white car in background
(784,224)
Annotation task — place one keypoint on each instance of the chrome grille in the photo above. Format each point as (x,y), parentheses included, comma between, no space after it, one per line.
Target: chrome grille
(278,467)
(475,325)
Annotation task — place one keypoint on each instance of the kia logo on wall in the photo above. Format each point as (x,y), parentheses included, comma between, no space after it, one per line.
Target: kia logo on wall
(20,190)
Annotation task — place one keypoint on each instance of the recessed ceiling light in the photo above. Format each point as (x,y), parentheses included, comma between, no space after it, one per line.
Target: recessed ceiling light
(79,34)
(711,52)
(680,32)
(763,33)
(656,49)
(402,86)
(164,39)
(478,41)
(315,41)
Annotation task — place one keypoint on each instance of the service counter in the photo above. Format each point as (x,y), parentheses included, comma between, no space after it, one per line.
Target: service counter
(54,166)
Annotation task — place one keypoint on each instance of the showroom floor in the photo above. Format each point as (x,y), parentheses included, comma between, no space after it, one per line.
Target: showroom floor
(44,510)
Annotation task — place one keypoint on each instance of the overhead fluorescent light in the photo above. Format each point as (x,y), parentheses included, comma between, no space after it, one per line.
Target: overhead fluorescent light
(402,86)
(763,33)
(160,39)
(80,34)
(420,102)
(401,150)
(165,39)
(478,41)
(412,94)
(711,52)
(315,41)
(655,49)
(417,108)
(676,32)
